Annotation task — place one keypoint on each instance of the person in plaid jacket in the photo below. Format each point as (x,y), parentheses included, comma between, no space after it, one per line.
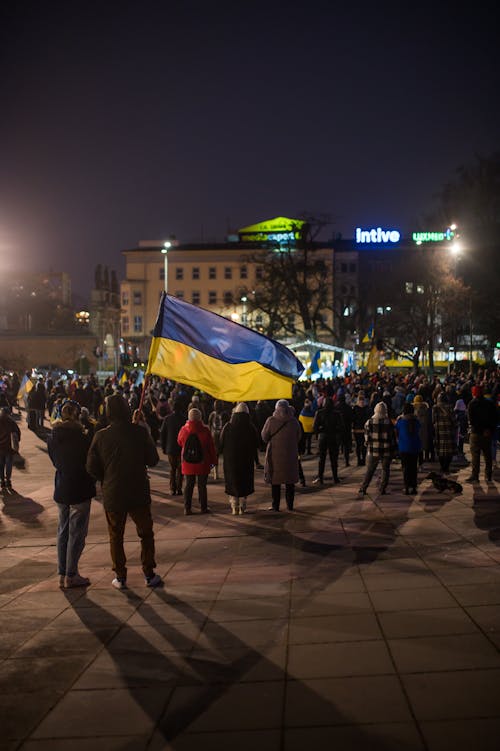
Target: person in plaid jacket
(380,440)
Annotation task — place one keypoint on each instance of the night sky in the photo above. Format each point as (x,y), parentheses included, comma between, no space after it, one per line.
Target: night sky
(124,121)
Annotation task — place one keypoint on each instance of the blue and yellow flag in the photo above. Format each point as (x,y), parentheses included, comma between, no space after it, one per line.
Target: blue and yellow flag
(369,335)
(24,387)
(222,358)
(315,362)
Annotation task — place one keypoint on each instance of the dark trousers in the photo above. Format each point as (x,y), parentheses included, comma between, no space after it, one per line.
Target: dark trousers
(481,444)
(360,448)
(410,469)
(175,473)
(289,495)
(445,461)
(189,484)
(141,516)
(333,451)
(371,466)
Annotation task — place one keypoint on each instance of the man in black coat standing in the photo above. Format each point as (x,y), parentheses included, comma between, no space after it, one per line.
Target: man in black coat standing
(483,421)
(119,456)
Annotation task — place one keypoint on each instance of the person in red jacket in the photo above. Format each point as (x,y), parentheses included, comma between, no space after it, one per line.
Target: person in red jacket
(198,470)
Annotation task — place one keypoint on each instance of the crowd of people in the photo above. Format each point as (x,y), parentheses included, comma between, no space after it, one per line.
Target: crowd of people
(110,434)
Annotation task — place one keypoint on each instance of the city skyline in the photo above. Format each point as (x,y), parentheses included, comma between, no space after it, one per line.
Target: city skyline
(128,123)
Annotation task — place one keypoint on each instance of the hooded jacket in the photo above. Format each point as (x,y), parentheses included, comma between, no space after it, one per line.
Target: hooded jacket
(68,446)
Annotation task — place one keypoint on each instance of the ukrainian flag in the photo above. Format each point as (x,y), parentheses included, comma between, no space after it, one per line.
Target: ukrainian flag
(369,335)
(222,358)
(25,387)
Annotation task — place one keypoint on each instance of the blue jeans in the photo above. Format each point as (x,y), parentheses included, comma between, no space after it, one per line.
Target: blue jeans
(71,534)
(6,466)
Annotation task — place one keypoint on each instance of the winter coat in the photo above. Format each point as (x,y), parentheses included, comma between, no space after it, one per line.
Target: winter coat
(118,457)
(360,414)
(282,452)
(482,416)
(239,441)
(68,447)
(445,429)
(207,445)
(329,424)
(408,431)
(7,428)
(169,432)
(423,414)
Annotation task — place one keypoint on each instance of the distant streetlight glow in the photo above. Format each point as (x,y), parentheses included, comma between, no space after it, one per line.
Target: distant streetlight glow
(164,250)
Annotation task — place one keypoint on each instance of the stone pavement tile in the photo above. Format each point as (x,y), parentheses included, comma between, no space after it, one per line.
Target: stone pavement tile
(19,714)
(340,581)
(469,575)
(393,580)
(426,623)
(20,620)
(132,669)
(161,638)
(333,604)
(270,608)
(486,616)
(28,675)
(409,565)
(412,599)
(92,618)
(11,641)
(348,700)
(85,714)
(238,590)
(36,602)
(472,594)
(158,611)
(383,737)
(336,659)
(118,743)
(334,628)
(191,591)
(66,641)
(252,633)
(438,653)
(458,694)
(243,740)
(109,597)
(236,665)
(457,735)
(465,557)
(243,706)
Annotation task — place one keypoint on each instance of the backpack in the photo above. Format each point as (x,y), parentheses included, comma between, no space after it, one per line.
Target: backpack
(193,452)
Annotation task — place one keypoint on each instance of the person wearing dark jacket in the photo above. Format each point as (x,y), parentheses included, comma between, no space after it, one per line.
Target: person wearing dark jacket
(118,457)
(238,442)
(10,435)
(329,426)
(409,446)
(360,414)
(483,422)
(74,489)
(168,440)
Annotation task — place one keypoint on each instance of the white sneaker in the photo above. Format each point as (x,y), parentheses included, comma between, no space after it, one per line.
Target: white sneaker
(119,583)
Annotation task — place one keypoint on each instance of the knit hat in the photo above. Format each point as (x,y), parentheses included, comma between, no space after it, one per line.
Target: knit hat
(418,399)
(460,406)
(477,391)
(241,407)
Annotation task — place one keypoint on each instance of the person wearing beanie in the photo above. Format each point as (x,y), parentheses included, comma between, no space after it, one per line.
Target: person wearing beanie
(380,442)
(118,457)
(282,434)
(238,443)
(74,489)
(196,469)
(482,417)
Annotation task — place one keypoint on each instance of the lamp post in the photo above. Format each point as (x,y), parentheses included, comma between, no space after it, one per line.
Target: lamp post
(164,250)
(244,301)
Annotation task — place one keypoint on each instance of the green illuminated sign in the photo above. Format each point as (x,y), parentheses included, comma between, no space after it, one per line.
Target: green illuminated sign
(280,230)
(433,237)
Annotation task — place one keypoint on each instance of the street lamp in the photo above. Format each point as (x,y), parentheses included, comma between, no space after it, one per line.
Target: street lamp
(164,250)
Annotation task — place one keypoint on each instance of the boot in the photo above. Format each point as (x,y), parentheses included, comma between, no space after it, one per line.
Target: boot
(235,506)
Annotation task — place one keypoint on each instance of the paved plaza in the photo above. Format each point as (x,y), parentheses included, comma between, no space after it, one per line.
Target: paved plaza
(352,623)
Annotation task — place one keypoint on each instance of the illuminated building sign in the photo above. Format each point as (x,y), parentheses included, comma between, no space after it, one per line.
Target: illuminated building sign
(377,235)
(433,237)
(280,230)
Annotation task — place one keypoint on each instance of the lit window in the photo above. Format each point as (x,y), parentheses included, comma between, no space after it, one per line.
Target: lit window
(212,272)
(125,324)
(228,272)
(179,273)
(243,272)
(212,297)
(196,272)
(346,311)
(380,311)
(125,299)
(258,319)
(409,287)
(137,298)
(420,289)
(137,324)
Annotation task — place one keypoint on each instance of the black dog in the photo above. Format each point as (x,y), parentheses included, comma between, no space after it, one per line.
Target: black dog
(442,483)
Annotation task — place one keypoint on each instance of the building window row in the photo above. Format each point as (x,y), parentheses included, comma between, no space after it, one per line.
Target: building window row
(212,272)
(227,298)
